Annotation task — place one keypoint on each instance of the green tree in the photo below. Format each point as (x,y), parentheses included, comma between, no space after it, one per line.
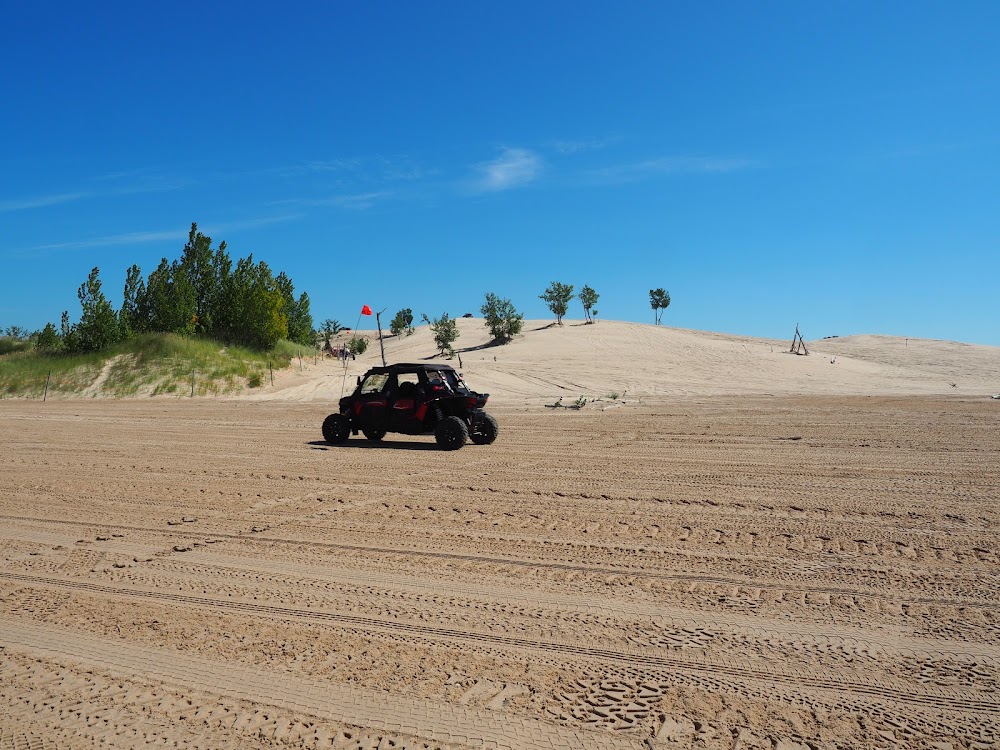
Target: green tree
(224,320)
(198,262)
(357,345)
(98,327)
(256,305)
(659,300)
(445,331)
(130,318)
(16,332)
(588,298)
(68,334)
(48,339)
(557,297)
(300,320)
(402,322)
(503,320)
(327,329)
(171,304)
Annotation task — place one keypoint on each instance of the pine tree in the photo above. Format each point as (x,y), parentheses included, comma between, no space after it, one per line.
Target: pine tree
(98,326)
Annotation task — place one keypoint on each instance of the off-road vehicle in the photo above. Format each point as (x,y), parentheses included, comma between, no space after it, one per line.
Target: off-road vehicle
(413,399)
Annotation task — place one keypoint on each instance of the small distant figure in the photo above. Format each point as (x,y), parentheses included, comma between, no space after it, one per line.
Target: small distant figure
(833,361)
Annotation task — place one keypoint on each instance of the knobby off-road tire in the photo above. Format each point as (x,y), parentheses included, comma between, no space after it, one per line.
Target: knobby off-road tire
(451,433)
(484,430)
(336,428)
(374,435)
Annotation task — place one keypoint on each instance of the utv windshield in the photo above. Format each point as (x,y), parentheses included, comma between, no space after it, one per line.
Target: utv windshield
(448,378)
(442,377)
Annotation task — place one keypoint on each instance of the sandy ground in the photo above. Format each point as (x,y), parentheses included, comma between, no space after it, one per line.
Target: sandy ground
(777,572)
(728,546)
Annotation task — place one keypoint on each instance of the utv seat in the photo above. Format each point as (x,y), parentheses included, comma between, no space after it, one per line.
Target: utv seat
(406,397)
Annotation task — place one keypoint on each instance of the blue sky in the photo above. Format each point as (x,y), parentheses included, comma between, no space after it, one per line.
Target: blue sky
(831,164)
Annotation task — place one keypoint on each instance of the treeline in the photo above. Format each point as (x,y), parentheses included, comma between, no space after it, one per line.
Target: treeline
(202,293)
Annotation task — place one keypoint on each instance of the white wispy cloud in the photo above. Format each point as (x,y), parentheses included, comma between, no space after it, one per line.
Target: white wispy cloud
(23,204)
(152,185)
(359,201)
(513,168)
(581,144)
(241,225)
(124,174)
(133,182)
(314,166)
(667,165)
(347,201)
(332,165)
(127,238)
(146,237)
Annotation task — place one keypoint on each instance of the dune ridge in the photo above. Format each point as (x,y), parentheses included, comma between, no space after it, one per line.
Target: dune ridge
(643,361)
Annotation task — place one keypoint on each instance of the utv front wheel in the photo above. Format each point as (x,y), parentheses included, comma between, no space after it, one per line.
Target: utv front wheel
(484,430)
(336,428)
(451,433)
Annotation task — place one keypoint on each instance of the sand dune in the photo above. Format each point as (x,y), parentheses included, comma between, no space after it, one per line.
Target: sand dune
(648,362)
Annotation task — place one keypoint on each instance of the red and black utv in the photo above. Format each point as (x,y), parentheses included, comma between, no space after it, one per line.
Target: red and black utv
(413,399)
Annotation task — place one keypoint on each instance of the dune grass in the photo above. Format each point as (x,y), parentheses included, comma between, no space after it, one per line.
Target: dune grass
(8,345)
(154,364)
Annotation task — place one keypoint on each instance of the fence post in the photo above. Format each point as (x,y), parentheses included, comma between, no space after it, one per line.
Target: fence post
(192,383)
(300,360)
(45,396)
(271,369)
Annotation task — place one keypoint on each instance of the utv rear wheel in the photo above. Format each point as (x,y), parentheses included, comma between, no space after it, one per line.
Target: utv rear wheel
(336,428)
(374,435)
(484,430)
(451,433)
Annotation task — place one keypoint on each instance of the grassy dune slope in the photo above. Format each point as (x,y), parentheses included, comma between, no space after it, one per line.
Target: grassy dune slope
(152,365)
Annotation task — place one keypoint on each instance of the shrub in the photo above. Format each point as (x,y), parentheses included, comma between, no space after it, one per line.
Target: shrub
(588,298)
(557,297)
(402,322)
(48,339)
(357,345)
(502,319)
(445,331)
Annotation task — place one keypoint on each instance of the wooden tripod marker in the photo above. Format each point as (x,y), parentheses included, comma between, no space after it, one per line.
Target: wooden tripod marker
(798,343)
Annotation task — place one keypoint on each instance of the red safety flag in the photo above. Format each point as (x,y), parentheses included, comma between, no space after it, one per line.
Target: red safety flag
(366,310)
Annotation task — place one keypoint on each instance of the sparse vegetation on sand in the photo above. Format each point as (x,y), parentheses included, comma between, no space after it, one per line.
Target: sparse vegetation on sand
(151,364)
(501,318)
